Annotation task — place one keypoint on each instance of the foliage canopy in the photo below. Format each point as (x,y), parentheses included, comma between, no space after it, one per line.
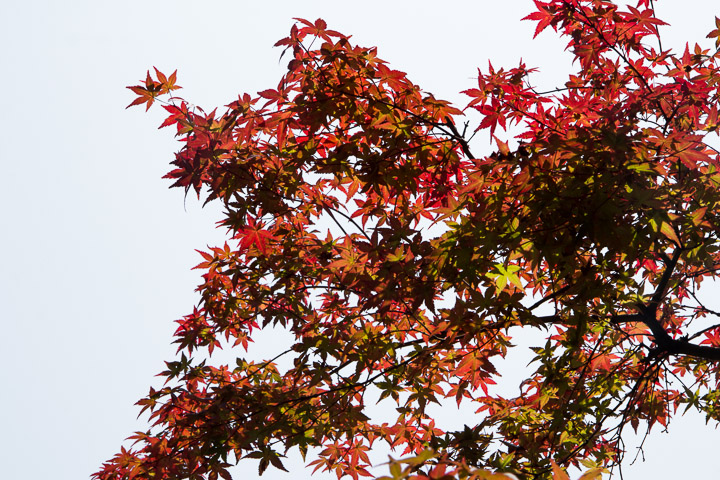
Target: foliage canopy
(403,265)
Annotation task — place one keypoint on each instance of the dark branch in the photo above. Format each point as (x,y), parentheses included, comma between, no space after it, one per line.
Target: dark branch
(681,346)
(661,290)
(461,140)
(665,343)
(549,296)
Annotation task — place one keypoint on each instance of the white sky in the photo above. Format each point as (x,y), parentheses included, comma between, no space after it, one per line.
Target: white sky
(96,251)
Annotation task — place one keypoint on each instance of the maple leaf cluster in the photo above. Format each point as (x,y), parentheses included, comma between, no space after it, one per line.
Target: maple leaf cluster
(360,222)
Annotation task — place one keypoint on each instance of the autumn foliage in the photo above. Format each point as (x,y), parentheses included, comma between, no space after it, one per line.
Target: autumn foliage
(404,266)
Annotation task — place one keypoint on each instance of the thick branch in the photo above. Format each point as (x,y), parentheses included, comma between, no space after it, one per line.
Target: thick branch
(681,346)
(651,308)
(665,343)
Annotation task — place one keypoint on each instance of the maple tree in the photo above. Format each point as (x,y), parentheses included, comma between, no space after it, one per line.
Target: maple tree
(403,265)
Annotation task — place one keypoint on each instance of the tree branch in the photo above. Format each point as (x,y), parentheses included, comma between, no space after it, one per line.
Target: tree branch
(682,346)
(661,290)
(457,136)
(665,343)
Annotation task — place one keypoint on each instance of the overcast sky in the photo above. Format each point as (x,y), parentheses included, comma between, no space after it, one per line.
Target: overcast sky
(97,252)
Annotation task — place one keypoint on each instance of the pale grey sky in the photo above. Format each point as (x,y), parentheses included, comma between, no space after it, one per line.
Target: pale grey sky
(97,252)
